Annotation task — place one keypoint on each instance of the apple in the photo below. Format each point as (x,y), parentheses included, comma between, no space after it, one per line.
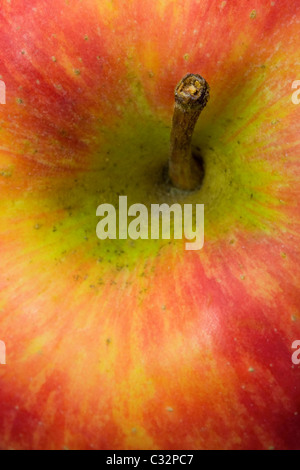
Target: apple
(122,344)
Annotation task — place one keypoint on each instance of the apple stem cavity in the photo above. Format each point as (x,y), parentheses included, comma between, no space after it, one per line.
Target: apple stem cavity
(191,97)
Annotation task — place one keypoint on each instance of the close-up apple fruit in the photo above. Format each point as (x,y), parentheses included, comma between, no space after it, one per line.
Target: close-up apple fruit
(141,344)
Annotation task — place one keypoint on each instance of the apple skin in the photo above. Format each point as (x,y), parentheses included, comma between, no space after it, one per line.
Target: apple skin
(143,345)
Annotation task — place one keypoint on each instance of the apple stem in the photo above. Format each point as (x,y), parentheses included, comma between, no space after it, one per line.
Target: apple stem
(191,97)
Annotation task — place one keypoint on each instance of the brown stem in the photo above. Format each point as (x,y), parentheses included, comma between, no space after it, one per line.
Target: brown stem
(191,96)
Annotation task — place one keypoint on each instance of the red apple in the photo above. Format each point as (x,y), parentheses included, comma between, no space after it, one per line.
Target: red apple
(143,345)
